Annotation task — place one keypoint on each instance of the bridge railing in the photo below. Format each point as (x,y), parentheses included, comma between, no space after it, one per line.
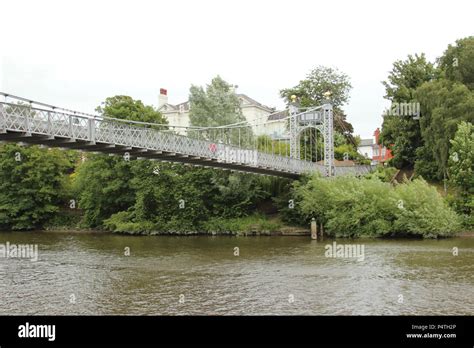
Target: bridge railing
(55,123)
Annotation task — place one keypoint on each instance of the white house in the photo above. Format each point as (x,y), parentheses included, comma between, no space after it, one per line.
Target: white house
(370,148)
(366,148)
(254,112)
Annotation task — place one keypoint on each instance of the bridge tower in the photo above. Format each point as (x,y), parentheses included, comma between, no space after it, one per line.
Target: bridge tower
(320,118)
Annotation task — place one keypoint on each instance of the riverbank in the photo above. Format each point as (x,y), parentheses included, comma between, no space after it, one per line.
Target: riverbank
(259,225)
(256,225)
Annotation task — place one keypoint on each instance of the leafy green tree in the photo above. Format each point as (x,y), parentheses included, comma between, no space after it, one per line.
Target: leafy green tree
(461,161)
(402,134)
(104,187)
(444,104)
(127,108)
(461,168)
(320,80)
(311,92)
(406,76)
(174,198)
(218,105)
(103,183)
(32,185)
(289,203)
(457,62)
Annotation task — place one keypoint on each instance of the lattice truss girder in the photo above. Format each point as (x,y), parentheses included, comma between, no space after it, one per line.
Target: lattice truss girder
(324,124)
(35,121)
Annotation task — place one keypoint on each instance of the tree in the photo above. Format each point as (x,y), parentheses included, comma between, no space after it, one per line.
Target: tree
(126,108)
(457,62)
(310,92)
(401,133)
(461,168)
(406,76)
(103,183)
(218,105)
(320,80)
(444,104)
(461,160)
(32,185)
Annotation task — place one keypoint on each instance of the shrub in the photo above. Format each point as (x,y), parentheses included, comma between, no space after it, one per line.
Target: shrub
(422,211)
(353,207)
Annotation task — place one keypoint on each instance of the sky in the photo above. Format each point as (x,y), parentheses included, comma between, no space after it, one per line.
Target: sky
(74,54)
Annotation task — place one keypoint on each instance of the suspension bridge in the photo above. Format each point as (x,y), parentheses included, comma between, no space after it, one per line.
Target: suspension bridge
(231,147)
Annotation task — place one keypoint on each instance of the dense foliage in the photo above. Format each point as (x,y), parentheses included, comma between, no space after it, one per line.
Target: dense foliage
(33,183)
(356,207)
(403,134)
(446,98)
(461,171)
(312,90)
(150,197)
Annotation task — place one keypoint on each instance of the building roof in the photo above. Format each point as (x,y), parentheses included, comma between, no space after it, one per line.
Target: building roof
(243,97)
(278,115)
(366,142)
(171,108)
(252,102)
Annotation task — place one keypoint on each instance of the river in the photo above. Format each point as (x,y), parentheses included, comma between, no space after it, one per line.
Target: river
(78,274)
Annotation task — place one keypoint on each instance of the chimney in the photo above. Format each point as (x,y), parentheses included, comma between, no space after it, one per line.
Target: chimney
(377,134)
(163,97)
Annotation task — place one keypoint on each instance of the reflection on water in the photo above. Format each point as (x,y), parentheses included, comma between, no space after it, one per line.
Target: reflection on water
(89,274)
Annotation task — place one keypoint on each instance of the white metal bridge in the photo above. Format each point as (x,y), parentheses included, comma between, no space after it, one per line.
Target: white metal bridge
(231,147)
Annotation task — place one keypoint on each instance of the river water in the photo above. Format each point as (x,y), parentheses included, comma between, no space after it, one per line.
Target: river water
(90,274)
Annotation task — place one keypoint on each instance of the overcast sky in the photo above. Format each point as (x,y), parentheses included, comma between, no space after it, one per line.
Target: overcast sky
(76,53)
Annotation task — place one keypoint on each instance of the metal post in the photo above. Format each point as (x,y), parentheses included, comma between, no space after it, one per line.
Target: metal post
(3,123)
(294,148)
(314,229)
(328,139)
(92,130)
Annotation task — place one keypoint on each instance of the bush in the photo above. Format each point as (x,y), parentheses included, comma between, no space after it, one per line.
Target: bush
(254,223)
(352,207)
(422,211)
(123,222)
(385,174)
